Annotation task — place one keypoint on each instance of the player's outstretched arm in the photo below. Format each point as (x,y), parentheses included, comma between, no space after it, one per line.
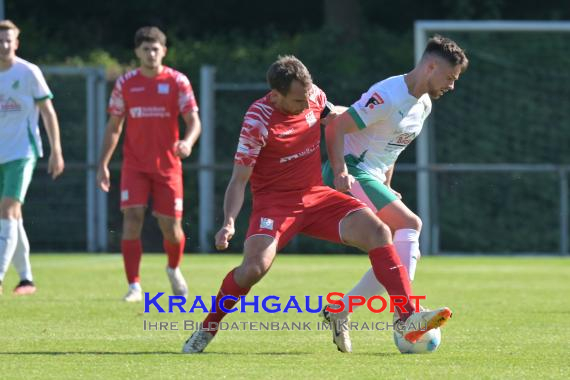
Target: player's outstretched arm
(110,141)
(334,133)
(233,201)
(51,124)
(183,148)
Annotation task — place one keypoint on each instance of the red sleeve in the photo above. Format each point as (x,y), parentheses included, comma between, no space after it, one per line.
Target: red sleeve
(186,98)
(319,98)
(253,135)
(117,101)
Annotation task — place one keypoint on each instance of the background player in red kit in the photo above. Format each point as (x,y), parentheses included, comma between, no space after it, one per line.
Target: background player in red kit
(278,152)
(151,98)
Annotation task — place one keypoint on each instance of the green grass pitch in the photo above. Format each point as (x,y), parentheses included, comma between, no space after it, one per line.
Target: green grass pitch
(511,320)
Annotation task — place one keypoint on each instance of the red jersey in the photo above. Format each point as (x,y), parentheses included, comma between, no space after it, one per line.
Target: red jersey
(151,107)
(282,149)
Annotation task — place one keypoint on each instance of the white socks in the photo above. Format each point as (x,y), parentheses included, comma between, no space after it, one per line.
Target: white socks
(22,254)
(14,245)
(406,242)
(8,242)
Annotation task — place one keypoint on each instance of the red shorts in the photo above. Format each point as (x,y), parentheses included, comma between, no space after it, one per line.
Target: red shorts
(316,213)
(165,190)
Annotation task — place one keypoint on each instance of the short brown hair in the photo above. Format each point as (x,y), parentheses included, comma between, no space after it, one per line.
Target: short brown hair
(447,49)
(285,70)
(9,25)
(149,34)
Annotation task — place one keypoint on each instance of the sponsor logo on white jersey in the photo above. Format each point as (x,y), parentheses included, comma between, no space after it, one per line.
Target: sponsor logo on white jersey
(163,88)
(10,105)
(311,119)
(375,100)
(266,224)
(403,139)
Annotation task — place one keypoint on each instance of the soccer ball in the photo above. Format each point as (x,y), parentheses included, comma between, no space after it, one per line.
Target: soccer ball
(428,343)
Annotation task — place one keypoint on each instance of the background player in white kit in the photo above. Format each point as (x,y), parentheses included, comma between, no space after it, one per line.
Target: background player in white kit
(24,95)
(365,142)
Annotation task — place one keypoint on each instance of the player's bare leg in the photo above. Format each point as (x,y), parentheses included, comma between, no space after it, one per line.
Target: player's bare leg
(259,253)
(373,235)
(362,229)
(174,242)
(405,227)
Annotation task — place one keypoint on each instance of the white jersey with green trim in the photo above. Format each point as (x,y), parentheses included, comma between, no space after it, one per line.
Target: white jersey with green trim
(388,119)
(21,86)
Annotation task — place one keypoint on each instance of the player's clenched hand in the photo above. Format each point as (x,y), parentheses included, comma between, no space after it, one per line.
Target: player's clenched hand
(343,182)
(55,165)
(182,148)
(224,236)
(104,178)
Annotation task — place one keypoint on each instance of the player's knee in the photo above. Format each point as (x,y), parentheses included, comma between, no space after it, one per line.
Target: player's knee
(173,235)
(414,222)
(253,271)
(381,235)
(10,209)
(133,218)
(132,228)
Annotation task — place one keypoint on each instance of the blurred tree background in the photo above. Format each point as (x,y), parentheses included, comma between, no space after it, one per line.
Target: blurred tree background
(347,45)
(58,31)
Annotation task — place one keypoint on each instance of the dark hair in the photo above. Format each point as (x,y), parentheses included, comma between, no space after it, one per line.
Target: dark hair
(9,25)
(447,49)
(149,34)
(285,70)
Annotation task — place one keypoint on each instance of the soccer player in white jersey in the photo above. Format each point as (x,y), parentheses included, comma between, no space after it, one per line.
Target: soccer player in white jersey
(365,142)
(24,95)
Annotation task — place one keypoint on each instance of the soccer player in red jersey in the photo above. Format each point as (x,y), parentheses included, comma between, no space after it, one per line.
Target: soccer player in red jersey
(151,98)
(278,152)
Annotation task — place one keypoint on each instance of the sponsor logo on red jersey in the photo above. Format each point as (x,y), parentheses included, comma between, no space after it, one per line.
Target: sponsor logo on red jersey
(142,112)
(295,156)
(311,119)
(163,88)
(266,224)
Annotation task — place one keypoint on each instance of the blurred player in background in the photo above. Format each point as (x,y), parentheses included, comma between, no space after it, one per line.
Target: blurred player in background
(150,99)
(24,94)
(279,152)
(364,143)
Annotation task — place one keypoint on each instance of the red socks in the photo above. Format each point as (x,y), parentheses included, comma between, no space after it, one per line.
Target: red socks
(390,272)
(132,252)
(174,252)
(229,288)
